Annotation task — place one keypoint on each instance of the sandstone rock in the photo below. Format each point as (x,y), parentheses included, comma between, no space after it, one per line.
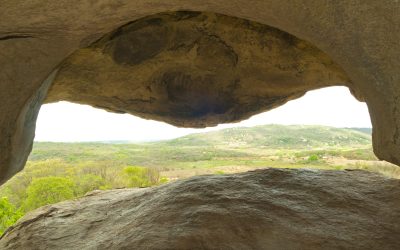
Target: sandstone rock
(263,209)
(194,68)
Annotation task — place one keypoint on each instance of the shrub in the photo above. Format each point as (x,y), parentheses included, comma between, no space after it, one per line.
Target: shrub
(87,183)
(8,214)
(48,190)
(313,158)
(219,172)
(141,176)
(163,180)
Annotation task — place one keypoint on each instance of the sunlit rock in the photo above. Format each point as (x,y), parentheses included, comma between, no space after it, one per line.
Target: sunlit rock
(263,209)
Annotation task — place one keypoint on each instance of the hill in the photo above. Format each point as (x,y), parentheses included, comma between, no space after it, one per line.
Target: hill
(277,136)
(364,130)
(244,146)
(230,143)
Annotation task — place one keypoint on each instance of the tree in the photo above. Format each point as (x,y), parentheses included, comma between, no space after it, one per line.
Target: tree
(8,214)
(48,190)
(141,176)
(87,183)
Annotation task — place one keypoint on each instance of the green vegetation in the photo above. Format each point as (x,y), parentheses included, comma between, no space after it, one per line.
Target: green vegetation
(8,214)
(278,136)
(48,190)
(141,176)
(50,181)
(60,171)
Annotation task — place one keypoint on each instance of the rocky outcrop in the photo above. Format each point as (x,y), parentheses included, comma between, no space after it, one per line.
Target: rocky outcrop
(263,209)
(196,67)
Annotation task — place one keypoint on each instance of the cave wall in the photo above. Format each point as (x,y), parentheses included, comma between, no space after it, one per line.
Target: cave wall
(360,38)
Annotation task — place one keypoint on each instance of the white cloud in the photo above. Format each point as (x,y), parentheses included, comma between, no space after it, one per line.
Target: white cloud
(65,121)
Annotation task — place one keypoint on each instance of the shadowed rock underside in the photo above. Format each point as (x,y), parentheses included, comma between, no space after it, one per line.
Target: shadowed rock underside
(194,69)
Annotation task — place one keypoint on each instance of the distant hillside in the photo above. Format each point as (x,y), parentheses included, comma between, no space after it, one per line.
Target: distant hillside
(226,143)
(277,136)
(364,130)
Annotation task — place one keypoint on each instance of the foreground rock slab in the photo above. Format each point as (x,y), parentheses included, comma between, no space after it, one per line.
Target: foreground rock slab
(263,209)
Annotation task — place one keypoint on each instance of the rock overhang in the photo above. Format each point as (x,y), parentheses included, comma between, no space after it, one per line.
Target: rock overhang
(194,69)
(361,38)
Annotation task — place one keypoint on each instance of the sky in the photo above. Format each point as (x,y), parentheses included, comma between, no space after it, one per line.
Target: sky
(68,122)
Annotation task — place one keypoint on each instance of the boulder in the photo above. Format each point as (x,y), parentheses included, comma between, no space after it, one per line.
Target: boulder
(262,209)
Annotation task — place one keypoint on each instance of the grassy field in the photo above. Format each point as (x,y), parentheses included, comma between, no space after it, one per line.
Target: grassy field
(59,171)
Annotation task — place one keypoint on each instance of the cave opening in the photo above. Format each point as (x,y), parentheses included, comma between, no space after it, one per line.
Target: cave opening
(186,68)
(325,129)
(196,69)
(79,149)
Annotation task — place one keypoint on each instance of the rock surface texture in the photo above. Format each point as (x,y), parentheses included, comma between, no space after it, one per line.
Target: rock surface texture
(193,69)
(194,63)
(263,209)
